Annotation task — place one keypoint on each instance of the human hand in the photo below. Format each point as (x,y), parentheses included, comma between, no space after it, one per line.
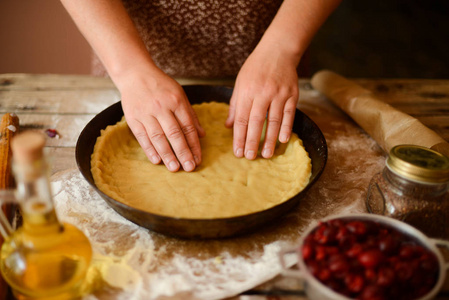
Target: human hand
(162,120)
(266,88)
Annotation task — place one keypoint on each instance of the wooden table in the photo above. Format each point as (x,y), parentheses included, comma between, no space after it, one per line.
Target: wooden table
(66,103)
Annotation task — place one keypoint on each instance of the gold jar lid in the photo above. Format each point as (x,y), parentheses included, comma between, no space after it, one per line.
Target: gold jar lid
(419,164)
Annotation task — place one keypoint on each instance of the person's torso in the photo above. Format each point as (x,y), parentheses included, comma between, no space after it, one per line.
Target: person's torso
(206,38)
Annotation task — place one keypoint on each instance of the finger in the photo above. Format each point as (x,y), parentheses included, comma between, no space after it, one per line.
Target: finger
(177,139)
(142,137)
(160,143)
(200,130)
(231,113)
(241,121)
(186,122)
(255,125)
(287,120)
(273,126)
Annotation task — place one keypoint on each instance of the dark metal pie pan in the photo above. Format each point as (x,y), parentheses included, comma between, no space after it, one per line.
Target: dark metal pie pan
(307,130)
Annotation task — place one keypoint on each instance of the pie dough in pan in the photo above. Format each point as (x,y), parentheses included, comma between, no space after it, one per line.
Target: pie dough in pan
(252,194)
(222,186)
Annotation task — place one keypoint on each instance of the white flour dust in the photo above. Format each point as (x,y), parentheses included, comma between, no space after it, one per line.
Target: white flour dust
(131,262)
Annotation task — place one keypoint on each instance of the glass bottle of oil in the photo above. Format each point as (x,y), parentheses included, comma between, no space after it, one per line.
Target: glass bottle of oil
(43,259)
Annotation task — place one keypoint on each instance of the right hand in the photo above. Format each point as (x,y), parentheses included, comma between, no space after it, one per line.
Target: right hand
(162,120)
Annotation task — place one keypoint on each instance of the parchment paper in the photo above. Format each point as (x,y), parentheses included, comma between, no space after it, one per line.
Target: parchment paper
(387,125)
(131,262)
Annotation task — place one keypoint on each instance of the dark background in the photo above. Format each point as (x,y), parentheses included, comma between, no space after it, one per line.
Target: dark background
(389,38)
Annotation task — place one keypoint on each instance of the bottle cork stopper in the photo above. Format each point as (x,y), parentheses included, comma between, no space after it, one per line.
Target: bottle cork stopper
(27,146)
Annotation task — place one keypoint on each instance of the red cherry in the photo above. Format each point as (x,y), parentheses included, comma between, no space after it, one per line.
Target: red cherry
(404,271)
(341,232)
(324,275)
(386,276)
(314,268)
(370,258)
(372,242)
(336,223)
(317,234)
(355,265)
(326,234)
(383,231)
(388,245)
(338,264)
(354,283)
(417,278)
(307,251)
(308,238)
(332,250)
(420,250)
(354,251)
(407,251)
(393,260)
(357,227)
(52,133)
(320,253)
(370,275)
(428,263)
(372,292)
(347,241)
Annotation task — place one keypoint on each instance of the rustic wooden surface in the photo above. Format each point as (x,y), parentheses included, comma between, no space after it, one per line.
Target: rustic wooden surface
(66,103)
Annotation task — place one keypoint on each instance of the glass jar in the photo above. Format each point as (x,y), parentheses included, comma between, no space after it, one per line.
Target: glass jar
(413,187)
(45,258)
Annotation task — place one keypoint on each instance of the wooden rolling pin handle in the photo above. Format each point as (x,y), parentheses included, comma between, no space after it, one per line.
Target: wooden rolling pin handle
(443,148)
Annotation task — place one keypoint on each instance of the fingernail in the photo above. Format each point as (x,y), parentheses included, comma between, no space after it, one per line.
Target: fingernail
(197,160)
(155,159)
(283,138)
(239,152)
(267,153)
(251,154)
(173,166)
(188,166)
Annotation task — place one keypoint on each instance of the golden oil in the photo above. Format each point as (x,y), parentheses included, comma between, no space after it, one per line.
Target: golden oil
(43,259)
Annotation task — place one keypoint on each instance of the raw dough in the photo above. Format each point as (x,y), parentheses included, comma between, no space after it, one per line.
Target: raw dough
(222,186)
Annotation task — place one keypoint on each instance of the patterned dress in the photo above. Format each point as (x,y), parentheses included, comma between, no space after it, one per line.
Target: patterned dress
(200,38)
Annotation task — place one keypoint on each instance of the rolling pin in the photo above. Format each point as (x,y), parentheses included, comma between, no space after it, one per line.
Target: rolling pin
(9,127)
(386,125)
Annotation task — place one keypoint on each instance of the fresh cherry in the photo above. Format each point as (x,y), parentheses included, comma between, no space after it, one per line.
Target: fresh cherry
(388,244)
(368,260)
(357,227)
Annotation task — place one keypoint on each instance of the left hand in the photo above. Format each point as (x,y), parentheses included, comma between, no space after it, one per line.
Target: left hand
(266,88)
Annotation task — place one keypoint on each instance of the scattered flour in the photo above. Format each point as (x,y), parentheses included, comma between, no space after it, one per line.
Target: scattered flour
(128,264)
(131,262)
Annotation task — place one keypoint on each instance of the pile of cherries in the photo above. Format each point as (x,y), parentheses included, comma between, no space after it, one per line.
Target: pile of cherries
(364,259)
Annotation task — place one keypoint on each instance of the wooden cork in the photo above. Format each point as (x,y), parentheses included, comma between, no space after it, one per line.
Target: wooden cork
(27,147)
